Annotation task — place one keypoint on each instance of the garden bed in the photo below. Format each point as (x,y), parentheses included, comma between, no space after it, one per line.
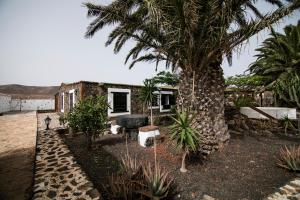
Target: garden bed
(244,169)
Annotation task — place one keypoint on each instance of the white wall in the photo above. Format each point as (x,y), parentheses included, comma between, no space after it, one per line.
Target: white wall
(5,101)
(32,104)
(276,112)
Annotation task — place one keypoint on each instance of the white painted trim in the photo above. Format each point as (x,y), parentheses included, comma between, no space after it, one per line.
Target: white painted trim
(111,103)
(72,91)
(160,106)
(63,102)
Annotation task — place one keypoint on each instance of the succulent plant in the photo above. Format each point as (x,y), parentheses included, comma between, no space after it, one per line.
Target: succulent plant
(130,166)
(290,158)
(157,181)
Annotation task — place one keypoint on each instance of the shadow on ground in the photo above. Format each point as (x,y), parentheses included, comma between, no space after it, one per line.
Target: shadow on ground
(16,174)
(97,162)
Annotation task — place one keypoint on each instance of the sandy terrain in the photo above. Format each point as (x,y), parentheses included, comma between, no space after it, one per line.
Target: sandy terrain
(17,154)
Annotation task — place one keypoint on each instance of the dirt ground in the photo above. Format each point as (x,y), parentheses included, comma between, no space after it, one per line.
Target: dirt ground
(17,151)
(244,169)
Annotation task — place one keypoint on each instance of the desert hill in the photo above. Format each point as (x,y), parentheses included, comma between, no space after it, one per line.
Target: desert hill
(26,92)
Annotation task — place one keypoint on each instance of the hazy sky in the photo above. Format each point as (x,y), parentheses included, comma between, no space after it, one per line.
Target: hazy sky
(42,43)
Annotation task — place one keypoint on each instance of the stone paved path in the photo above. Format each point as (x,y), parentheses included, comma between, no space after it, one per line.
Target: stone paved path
(17,150)
(58,176)
(291,191)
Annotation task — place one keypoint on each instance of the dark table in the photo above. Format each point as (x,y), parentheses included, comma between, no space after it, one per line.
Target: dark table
(131,123)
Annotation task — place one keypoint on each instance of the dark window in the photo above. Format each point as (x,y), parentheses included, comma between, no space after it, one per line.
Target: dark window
(167,100)
(71,100)
(120,102)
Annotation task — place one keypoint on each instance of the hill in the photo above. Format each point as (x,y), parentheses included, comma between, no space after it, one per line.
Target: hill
(29,92)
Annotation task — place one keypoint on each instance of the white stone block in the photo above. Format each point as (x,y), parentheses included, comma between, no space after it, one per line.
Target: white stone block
(114,129)
(143,136)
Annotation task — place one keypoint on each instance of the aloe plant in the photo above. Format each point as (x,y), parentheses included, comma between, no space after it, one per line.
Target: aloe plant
(157,181)
(130,166)
(184,135)
(290,158)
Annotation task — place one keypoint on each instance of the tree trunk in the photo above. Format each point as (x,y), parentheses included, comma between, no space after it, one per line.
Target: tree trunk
(183,168)
(206,99)
(89,140)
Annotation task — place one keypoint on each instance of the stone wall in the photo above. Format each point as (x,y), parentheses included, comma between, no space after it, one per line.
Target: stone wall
(64,91)
(32,104)
(5,101)
(86,89)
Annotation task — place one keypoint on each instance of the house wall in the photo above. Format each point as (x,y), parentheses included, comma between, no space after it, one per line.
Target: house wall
(64,91)
(5,101)
(86,89)
(136,104)
(32,104)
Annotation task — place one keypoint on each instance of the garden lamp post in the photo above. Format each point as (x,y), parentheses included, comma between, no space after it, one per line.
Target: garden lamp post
(47,122)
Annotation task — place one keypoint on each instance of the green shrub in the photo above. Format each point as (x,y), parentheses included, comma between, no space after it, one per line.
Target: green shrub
(89,116)
(290,158)
(243,102)
(62,119)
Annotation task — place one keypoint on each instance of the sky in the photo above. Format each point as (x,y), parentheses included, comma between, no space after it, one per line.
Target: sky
(42,43)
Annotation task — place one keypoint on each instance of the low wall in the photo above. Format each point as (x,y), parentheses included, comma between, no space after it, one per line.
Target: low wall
(276,112)
(5,101)
(32,104)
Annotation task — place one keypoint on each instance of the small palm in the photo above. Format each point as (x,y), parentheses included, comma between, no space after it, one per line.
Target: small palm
(183,134)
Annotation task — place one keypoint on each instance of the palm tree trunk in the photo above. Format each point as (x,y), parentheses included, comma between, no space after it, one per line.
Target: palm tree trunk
(208,91)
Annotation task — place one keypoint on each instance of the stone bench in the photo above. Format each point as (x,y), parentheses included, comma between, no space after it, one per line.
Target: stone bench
(146,132)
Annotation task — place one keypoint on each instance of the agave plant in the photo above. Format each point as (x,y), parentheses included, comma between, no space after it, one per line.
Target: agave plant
(287,123)
(290,158)
(184,135)
(157,182)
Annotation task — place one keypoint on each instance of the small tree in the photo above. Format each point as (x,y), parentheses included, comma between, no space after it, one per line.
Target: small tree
(147,95)
(287,123)
(183,134)
(89,117)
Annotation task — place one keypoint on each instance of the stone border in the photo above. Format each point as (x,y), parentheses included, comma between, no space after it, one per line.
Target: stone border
(289,191)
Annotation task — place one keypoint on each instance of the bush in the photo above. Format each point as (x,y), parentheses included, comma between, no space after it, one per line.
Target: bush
(62,119)
(243,102)
(89,117)
(290,158)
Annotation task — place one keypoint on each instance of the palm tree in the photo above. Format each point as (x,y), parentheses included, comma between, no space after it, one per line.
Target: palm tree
(184,135)
(279,58)
(147,95)
(190,36)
